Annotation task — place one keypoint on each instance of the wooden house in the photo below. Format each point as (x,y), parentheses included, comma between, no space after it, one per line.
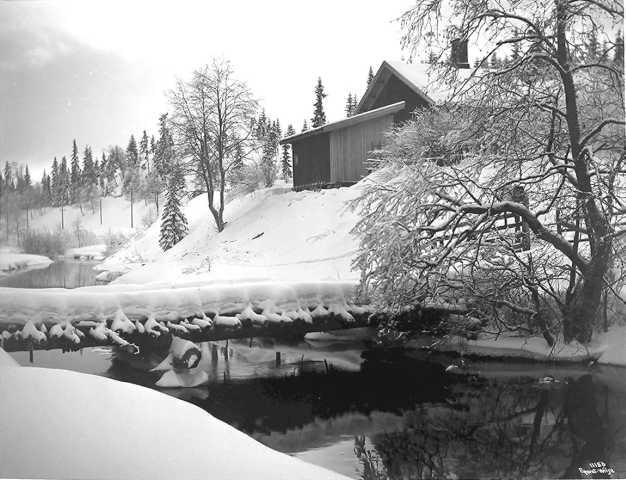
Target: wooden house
(334,154)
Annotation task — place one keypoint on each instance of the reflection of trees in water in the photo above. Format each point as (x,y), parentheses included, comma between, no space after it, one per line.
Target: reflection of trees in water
(497,430)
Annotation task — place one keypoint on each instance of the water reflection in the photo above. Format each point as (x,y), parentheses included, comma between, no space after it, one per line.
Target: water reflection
(389,415)
(60,274)
(512,429)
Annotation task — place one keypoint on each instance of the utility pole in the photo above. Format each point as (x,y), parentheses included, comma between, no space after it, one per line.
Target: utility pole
(62,219)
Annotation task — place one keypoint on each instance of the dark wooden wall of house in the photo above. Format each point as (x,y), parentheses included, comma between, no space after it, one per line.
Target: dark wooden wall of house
(396,91)
(311,161)
(349,148)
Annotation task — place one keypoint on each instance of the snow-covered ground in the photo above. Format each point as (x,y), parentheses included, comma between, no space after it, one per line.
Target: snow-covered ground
(11,260)
(88,252)
(607,348)
(115,217)
(273,233)
(62,424)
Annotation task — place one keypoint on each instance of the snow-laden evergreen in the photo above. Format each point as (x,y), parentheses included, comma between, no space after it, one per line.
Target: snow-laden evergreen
(319,117)
(173,221)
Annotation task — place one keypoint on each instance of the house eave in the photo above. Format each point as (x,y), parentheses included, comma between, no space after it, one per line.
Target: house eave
(347,122)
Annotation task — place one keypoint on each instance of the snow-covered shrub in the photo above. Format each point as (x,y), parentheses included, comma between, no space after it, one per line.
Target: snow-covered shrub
(149,217)
(45,242)
(114,241)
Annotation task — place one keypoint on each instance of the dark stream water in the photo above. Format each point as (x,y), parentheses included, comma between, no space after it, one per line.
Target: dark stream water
(60,274)
(396,414)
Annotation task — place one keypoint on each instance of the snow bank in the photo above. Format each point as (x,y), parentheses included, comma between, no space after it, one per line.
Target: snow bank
(614,345)
(89,252)
(606,348)
(272,234)
(117,304)
(113,429)
(10,261)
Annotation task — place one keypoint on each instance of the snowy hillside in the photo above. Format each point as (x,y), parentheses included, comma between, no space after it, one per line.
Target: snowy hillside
(115,217)
(273,233)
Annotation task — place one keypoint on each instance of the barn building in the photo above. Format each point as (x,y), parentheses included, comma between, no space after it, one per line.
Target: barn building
(334,154)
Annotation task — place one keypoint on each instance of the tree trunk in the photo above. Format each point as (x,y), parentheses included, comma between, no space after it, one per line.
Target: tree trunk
(581,314)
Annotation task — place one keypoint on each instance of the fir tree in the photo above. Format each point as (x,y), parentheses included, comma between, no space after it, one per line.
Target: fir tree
(64,183)
(173,221)
(319,117)
(270,149)
(102,175)
(144,150)
(8,177)
(370,76)
(27,179)
(236,166)
(90,175)
(261,128)
(348,108)
(75,175)
(46,190)
(164,149)
(351,104)
(54,182)
(132,155)
(305,126)
(286,158)
(131,172)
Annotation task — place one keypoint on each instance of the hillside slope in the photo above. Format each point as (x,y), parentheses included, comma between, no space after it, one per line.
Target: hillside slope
(115,217)
(273,233)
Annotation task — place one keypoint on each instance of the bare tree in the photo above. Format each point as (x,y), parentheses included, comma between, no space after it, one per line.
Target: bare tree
(212,123)
(529,152)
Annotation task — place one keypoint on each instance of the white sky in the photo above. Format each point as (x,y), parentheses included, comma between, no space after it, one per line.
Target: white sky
(97,70)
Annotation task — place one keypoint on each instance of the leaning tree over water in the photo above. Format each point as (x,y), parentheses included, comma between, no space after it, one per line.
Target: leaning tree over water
(537,139)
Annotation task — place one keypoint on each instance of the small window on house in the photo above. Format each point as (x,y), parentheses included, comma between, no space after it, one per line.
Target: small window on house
(295,159)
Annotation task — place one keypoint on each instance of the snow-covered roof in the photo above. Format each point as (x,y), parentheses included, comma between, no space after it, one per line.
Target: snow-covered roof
(347,122)
(415,76)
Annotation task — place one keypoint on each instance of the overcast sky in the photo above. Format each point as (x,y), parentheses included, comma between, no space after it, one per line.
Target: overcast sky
(98,70)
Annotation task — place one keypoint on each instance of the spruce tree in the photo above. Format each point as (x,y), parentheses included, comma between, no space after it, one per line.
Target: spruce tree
(46,190)
(90,176)
(370,76)
(319,117)
(348,108)
(269,152)
(131,172)
(173,221)
(102,174)
(27,179)
(305,126)
(64,183)
(75,175)
(132,154)
(164,149)
(8,177)
(144,150)
(286,158)
(54,182)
